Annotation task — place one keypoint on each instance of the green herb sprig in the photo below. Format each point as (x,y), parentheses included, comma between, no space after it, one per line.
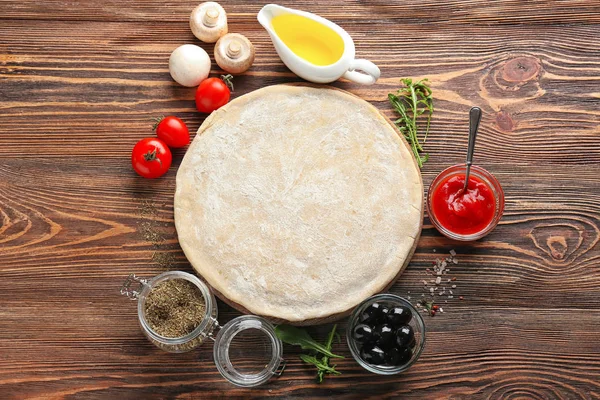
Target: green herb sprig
(299,337)
(411,102)
(325,360)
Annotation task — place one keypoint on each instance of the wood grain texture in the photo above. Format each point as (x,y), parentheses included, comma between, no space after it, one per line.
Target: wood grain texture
(80,83)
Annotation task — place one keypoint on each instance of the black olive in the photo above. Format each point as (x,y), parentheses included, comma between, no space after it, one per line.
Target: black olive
(392,356)
(374,314)
(405,336)
(386,336)
(372,354)
(398,356)
(384,313)
(364,333)
(365,319)
(398,316)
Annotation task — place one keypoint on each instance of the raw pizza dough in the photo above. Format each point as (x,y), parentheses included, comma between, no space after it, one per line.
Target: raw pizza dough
(297,203)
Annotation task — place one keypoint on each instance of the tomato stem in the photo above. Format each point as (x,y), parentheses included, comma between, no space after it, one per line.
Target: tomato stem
(157,120)
(228,79)
(151,156)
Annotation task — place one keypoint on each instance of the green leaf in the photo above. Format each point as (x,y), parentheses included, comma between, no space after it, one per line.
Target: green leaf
(299,337)
(330,337)
(314,361)
(310,359)
(296,336)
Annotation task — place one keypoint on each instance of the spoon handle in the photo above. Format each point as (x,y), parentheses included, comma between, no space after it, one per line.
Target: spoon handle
(474,119)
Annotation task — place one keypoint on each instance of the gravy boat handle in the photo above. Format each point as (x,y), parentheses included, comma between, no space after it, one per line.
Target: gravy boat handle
(362,71)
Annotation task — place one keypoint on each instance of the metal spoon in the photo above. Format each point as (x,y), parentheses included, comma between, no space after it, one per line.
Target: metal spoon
(474,119)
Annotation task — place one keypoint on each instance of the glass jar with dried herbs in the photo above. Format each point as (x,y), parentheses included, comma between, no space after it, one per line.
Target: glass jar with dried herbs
(176,310)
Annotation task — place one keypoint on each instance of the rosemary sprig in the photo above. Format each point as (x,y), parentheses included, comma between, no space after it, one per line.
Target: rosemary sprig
(411,102)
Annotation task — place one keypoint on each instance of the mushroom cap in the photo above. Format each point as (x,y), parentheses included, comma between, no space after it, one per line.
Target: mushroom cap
(189,65)
(234,53)
(208,21)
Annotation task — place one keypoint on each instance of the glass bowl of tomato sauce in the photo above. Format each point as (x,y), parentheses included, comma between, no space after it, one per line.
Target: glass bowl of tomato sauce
(468,215)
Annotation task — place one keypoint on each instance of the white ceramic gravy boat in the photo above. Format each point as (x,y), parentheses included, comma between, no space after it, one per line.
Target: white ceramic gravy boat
(355,70)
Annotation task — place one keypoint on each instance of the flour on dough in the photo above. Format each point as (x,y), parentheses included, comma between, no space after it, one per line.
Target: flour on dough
(297,202)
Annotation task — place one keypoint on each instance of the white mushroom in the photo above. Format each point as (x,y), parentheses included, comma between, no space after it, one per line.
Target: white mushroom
(189,65)
(234,53)
(208,22)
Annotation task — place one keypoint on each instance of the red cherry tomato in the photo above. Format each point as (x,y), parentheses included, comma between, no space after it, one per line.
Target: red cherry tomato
(151,158)
(213,93)
(173,132)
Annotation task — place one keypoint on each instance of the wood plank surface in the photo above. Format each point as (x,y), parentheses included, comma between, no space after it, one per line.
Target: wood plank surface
(80,83)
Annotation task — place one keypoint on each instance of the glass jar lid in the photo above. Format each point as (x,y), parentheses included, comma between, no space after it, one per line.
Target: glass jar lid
(247,351)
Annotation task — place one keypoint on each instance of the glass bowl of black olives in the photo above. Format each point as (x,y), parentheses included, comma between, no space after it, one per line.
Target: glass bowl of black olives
(386,334)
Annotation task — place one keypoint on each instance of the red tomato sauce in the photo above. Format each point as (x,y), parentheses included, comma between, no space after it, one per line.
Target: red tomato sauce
(463,213)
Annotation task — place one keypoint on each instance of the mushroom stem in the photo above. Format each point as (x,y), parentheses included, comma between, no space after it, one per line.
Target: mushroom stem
(211,17)
(234,53)
(234,49)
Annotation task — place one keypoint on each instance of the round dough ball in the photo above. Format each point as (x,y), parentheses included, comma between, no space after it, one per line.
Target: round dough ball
(189,65)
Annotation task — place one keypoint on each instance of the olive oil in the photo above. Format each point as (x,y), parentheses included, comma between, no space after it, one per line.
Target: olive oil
(308,39)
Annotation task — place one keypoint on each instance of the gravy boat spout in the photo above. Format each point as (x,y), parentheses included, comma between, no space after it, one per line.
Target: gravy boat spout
(266,14)
(313,47)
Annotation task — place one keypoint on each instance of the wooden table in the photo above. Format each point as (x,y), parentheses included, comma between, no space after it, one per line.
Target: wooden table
(80,83)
